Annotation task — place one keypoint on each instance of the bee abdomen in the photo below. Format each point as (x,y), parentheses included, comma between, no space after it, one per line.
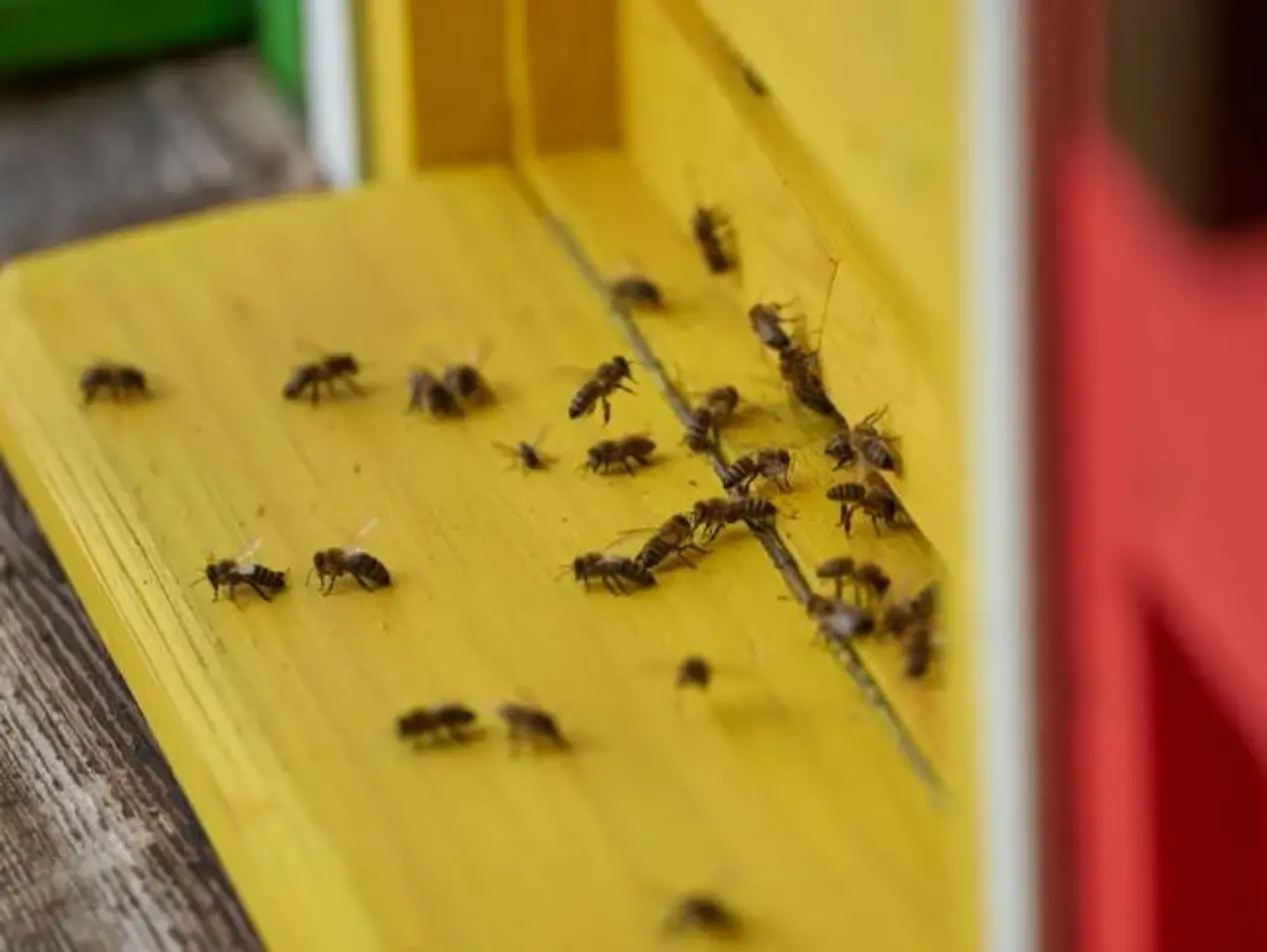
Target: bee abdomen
(370,569)
(653,553)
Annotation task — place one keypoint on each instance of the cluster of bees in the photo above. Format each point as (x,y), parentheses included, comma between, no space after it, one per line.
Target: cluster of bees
(457,389)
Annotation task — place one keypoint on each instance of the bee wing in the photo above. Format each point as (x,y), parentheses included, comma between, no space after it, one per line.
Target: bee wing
(365,530)
(244,559)
(482,351)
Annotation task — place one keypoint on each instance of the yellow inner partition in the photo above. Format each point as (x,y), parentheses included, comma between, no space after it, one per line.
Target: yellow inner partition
(779,789)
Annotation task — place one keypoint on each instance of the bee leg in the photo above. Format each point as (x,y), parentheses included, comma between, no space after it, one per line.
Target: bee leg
(840,587)
(607,411)
(355,387)
(361,582)
(611,586)
(315,389)
(628,466)
(259,590)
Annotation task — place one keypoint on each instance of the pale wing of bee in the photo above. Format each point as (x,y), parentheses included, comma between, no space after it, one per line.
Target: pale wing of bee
(360,535)
(245,559)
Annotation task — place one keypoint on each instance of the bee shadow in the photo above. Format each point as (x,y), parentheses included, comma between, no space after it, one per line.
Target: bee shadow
(749,713)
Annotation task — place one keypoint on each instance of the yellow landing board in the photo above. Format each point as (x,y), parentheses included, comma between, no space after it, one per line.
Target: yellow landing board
(705,341)
(780,789)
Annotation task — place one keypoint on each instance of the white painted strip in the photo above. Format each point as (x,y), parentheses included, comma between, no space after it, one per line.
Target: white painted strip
(332,85)
(998,320)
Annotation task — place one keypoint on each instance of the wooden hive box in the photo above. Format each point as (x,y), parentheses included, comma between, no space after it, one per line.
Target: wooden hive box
(807,787)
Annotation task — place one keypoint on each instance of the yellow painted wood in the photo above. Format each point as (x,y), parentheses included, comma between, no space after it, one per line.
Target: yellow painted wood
(781,789)
(875,91)
(714,146)
(705,342)
(563,74)
(390,126)
(435,78)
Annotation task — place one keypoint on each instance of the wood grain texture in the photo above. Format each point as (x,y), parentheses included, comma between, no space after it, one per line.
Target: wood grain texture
(98,848)
(107,151)
(780,789)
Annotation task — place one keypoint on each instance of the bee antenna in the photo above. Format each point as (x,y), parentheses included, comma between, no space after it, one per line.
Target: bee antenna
(200,578)
(308,577)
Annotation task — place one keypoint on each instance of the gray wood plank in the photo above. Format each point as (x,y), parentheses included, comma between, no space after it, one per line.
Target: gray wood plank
(99,850)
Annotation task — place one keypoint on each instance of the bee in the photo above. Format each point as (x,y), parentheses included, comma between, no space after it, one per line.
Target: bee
(638,292)
(703,914)
(622,452)
(767,320)
(713,515)
(616,572)
(693,672)
(327,370)
(120,380)
(875,498)
(230,573)
(711,229)
(701,430)
(607,378)
(367,571)
(877,449)
(841,449)
(800,372)
(466,382)
(772,464)
(838,621)
(674,537)
(715,409)
(526,723)
(917,645)
(921,607)
(526,455)
(428,392)
(448,721)
(722,402)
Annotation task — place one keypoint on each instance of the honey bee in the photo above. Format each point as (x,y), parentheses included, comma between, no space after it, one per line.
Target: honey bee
(713,515)
(839,621)
(616,572)
(367,571)
(712,231)
(917,645)
(701,430)
(230,573)
(638,292)
(772,464)
(674,537)
(767,320)
(427,392)
(702,914)
(716,408)
(841,449)
(878,449)
(526,455)
(121,381)
(800,372)
(532,725)
(327,370)
(694,672)
(607,378)
(449,721)
(866,576)
(466,382)
(874,498)
(622,452)
(904,613)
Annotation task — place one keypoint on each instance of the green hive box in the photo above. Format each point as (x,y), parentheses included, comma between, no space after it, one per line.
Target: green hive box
(39,36)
